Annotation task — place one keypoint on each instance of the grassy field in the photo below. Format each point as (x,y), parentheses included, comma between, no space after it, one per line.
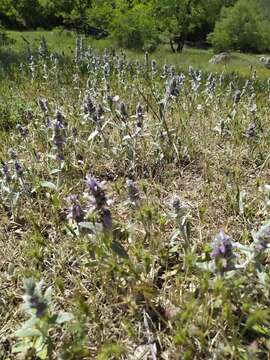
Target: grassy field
(134,206)
(63,41)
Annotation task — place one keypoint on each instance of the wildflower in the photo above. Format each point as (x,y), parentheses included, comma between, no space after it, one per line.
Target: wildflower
(6,173)
(106,70)
(22,130)
(179,207)
(146,59)
(59,117)
(165,71)
(97,192)
(12,154)
(58,139)
(18,169)
(106,219)
(172,88)
(223,251)
(251,130)
(99,112)
(75,212)
(139,115)
(88,106)
(78,51)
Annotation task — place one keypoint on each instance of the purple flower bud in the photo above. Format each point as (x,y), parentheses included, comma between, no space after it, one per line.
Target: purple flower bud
(22,130)
(13,154)
(6,172)
(77,213)
(59,117)
(89,108)
(18,169)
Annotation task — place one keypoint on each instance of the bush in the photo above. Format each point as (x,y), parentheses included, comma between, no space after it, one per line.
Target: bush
(242,27)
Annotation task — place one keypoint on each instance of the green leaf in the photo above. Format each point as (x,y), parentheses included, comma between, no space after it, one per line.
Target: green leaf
(21,347)
(48,295)
(41,348)
(207,266)
(119,250)
(49,185)
(64,317)
(27,332)
(87,225)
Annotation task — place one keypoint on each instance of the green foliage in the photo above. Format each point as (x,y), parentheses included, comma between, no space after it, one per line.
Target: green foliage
(135,24)
(244,27)
(133,28)
(34,334)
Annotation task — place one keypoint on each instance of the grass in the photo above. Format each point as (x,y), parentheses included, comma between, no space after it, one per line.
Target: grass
(115,207)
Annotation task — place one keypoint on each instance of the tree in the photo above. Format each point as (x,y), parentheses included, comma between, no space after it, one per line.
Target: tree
(133,24)
(244,27)
(182,20)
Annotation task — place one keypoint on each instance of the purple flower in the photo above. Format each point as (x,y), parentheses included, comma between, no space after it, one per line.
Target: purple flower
(59,117)
(18,169)
(6,172)
(13,154)
(75,212)
(106,219)
(97,192)
(222,246)
(88,106)
(22,130)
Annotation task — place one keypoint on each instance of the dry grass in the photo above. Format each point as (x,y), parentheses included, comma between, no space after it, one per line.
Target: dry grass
(158,298)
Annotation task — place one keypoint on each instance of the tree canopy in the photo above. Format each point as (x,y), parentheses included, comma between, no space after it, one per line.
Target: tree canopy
(225,24)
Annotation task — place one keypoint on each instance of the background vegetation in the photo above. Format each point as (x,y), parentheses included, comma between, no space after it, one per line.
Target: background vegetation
(225,24)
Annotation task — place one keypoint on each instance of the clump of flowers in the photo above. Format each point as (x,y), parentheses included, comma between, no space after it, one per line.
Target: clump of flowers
(100,202)
(222,252)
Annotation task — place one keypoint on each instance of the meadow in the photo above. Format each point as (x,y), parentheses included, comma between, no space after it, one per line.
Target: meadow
(134,203)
